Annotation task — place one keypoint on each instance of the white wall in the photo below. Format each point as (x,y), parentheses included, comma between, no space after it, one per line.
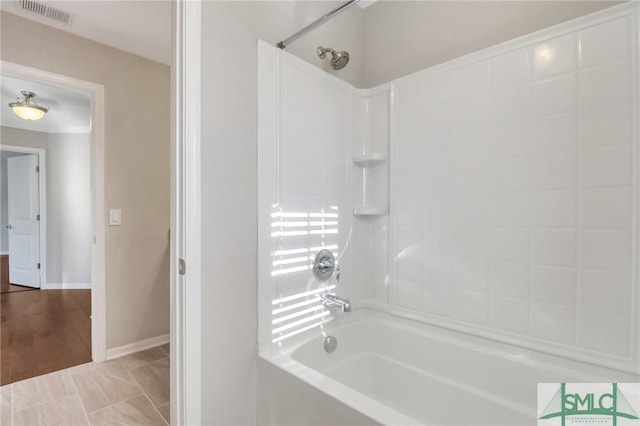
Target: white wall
(69,224)
(402,37)
(68,202)
(513,180)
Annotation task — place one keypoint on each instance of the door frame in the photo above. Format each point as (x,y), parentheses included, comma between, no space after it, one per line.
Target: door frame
(42,203)
(186,330)
(96,94)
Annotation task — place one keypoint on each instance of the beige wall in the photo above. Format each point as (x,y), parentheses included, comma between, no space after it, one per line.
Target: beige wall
(68,186)
(137,150)
(229,176)
(402,37)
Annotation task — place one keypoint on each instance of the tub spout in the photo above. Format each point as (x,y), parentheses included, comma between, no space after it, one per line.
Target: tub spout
(330,300)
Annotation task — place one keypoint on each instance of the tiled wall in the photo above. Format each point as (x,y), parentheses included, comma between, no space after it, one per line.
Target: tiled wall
(514,188)
(304,204)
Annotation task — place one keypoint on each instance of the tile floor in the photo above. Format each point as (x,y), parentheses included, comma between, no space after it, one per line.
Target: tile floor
(132,390)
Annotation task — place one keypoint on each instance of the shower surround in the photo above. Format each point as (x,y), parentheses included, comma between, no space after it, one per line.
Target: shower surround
(512,215)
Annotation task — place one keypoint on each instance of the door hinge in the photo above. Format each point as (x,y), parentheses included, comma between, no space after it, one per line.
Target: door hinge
(37,217)
(38,266)
(37,169)
(182,267)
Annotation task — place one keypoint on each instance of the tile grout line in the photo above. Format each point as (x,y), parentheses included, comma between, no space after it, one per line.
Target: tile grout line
(84,410)
(99,388)
(154,407)
(144,392)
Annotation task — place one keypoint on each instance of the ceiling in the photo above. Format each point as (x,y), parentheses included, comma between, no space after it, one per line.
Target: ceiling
(142,27)
(69,113)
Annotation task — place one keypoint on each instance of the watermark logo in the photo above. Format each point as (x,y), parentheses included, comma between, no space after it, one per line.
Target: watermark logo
(574,404)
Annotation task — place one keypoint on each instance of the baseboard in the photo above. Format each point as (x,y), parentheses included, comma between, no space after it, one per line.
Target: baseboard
(4,253)
(66,286)
(137,346)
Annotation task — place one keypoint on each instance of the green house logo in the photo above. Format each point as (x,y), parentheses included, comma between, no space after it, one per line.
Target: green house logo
(589,405)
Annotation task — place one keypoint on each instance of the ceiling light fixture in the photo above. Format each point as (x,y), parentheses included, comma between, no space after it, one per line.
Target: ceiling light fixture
(27,109)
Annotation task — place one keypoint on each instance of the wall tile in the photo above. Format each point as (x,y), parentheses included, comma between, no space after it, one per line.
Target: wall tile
(438,210)
(555,209)
(551,247)
(411,262)
(554,285)
(472,274)
(605,125)
(472,242)
(506,175)
(553,171)
(471,306)
(511,139)
(511,245)
(522,169)
(605,85)
(513,68)
(438,300)
(509,279)
(470,210)
(509,210)
(439,270)
(605,249)
(555,96)
(440,240)
(472,80)
(605,43)
(554,133)
(473,111)
(605,291)
(556,56)
(509,314)
(552,322)
(510,103)
(410,294)
(605,208)
(603,332)
(609,166)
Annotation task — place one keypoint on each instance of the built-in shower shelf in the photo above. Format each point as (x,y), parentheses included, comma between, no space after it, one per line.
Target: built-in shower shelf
(369,211)
(369,160)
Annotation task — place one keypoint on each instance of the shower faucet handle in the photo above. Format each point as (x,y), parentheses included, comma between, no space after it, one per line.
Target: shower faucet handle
(324,266)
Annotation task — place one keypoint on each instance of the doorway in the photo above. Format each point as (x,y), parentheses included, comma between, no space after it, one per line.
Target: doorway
(22,218)
(78,302)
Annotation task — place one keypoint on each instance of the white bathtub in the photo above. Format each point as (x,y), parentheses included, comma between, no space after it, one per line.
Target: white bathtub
(400,372)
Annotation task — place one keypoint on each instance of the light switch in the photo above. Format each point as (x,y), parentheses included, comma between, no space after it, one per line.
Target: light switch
(115,217)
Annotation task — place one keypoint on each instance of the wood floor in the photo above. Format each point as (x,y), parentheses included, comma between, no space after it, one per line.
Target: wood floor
(5,286)
(43,331)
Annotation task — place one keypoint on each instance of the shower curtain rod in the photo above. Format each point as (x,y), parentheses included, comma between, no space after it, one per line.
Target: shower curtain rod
(284,43)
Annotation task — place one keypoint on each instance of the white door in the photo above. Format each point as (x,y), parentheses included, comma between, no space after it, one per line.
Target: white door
(24,227)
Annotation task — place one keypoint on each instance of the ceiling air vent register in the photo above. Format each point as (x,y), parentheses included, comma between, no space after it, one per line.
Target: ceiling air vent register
(44,11)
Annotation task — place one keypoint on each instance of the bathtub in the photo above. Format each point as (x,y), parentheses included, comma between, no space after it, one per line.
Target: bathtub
(397,371)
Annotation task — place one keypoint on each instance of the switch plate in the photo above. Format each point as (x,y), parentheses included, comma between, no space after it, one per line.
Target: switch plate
(115,217)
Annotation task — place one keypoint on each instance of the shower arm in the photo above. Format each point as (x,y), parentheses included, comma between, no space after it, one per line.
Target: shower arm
(284,43)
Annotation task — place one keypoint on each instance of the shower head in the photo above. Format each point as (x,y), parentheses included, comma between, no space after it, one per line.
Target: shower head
(339,59)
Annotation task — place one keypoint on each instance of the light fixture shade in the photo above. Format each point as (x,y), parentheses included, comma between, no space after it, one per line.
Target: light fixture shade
(27,109)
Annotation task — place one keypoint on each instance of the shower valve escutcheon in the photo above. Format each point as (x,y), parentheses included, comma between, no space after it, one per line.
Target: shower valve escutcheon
(325,265)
